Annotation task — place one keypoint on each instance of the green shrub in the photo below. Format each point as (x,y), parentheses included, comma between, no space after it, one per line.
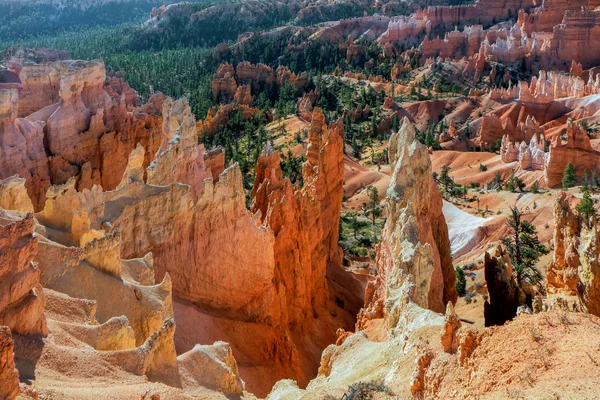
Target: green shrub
(569,177)
(461,282)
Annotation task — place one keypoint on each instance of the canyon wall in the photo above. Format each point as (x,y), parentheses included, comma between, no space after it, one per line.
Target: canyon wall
(273,261)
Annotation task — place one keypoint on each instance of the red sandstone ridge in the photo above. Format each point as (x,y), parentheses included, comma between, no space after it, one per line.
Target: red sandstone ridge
(304,221)
(577,150)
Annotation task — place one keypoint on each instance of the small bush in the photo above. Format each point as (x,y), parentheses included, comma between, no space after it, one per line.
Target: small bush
(358,251)
(469,297)
(470,267)
(365,390)
(483,167)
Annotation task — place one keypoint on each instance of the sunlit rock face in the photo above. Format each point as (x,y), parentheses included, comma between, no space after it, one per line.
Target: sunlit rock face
(304,220)
(577,151)
(415,238)
(21,299)
(69,120)
(575,269)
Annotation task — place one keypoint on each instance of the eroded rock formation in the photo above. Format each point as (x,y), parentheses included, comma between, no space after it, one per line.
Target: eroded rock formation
(577,150)
(21,300)
(177,209)
(304,221)
(9,376)
(415,250)
(69,120)
(228,80)
(575,268)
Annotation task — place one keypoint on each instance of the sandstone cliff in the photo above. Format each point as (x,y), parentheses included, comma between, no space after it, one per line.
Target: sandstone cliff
(577,150)
(178,210)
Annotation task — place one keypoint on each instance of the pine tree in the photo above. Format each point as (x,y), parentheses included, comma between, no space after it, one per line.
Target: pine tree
(445,180)
(395,123)
(524,248)
(372,208)
(348,126)
(569,177)
(511,184)
(496,183)
(586,209)
(534,188)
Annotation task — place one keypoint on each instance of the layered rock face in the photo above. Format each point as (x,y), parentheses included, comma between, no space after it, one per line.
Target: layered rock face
(494,128)
(304,221)
(100,308)
(9,376)
(184,214)
(415,249)
(21,147)
(549,14)
(21,300)
(575,267)
(72,122)
(576,37)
